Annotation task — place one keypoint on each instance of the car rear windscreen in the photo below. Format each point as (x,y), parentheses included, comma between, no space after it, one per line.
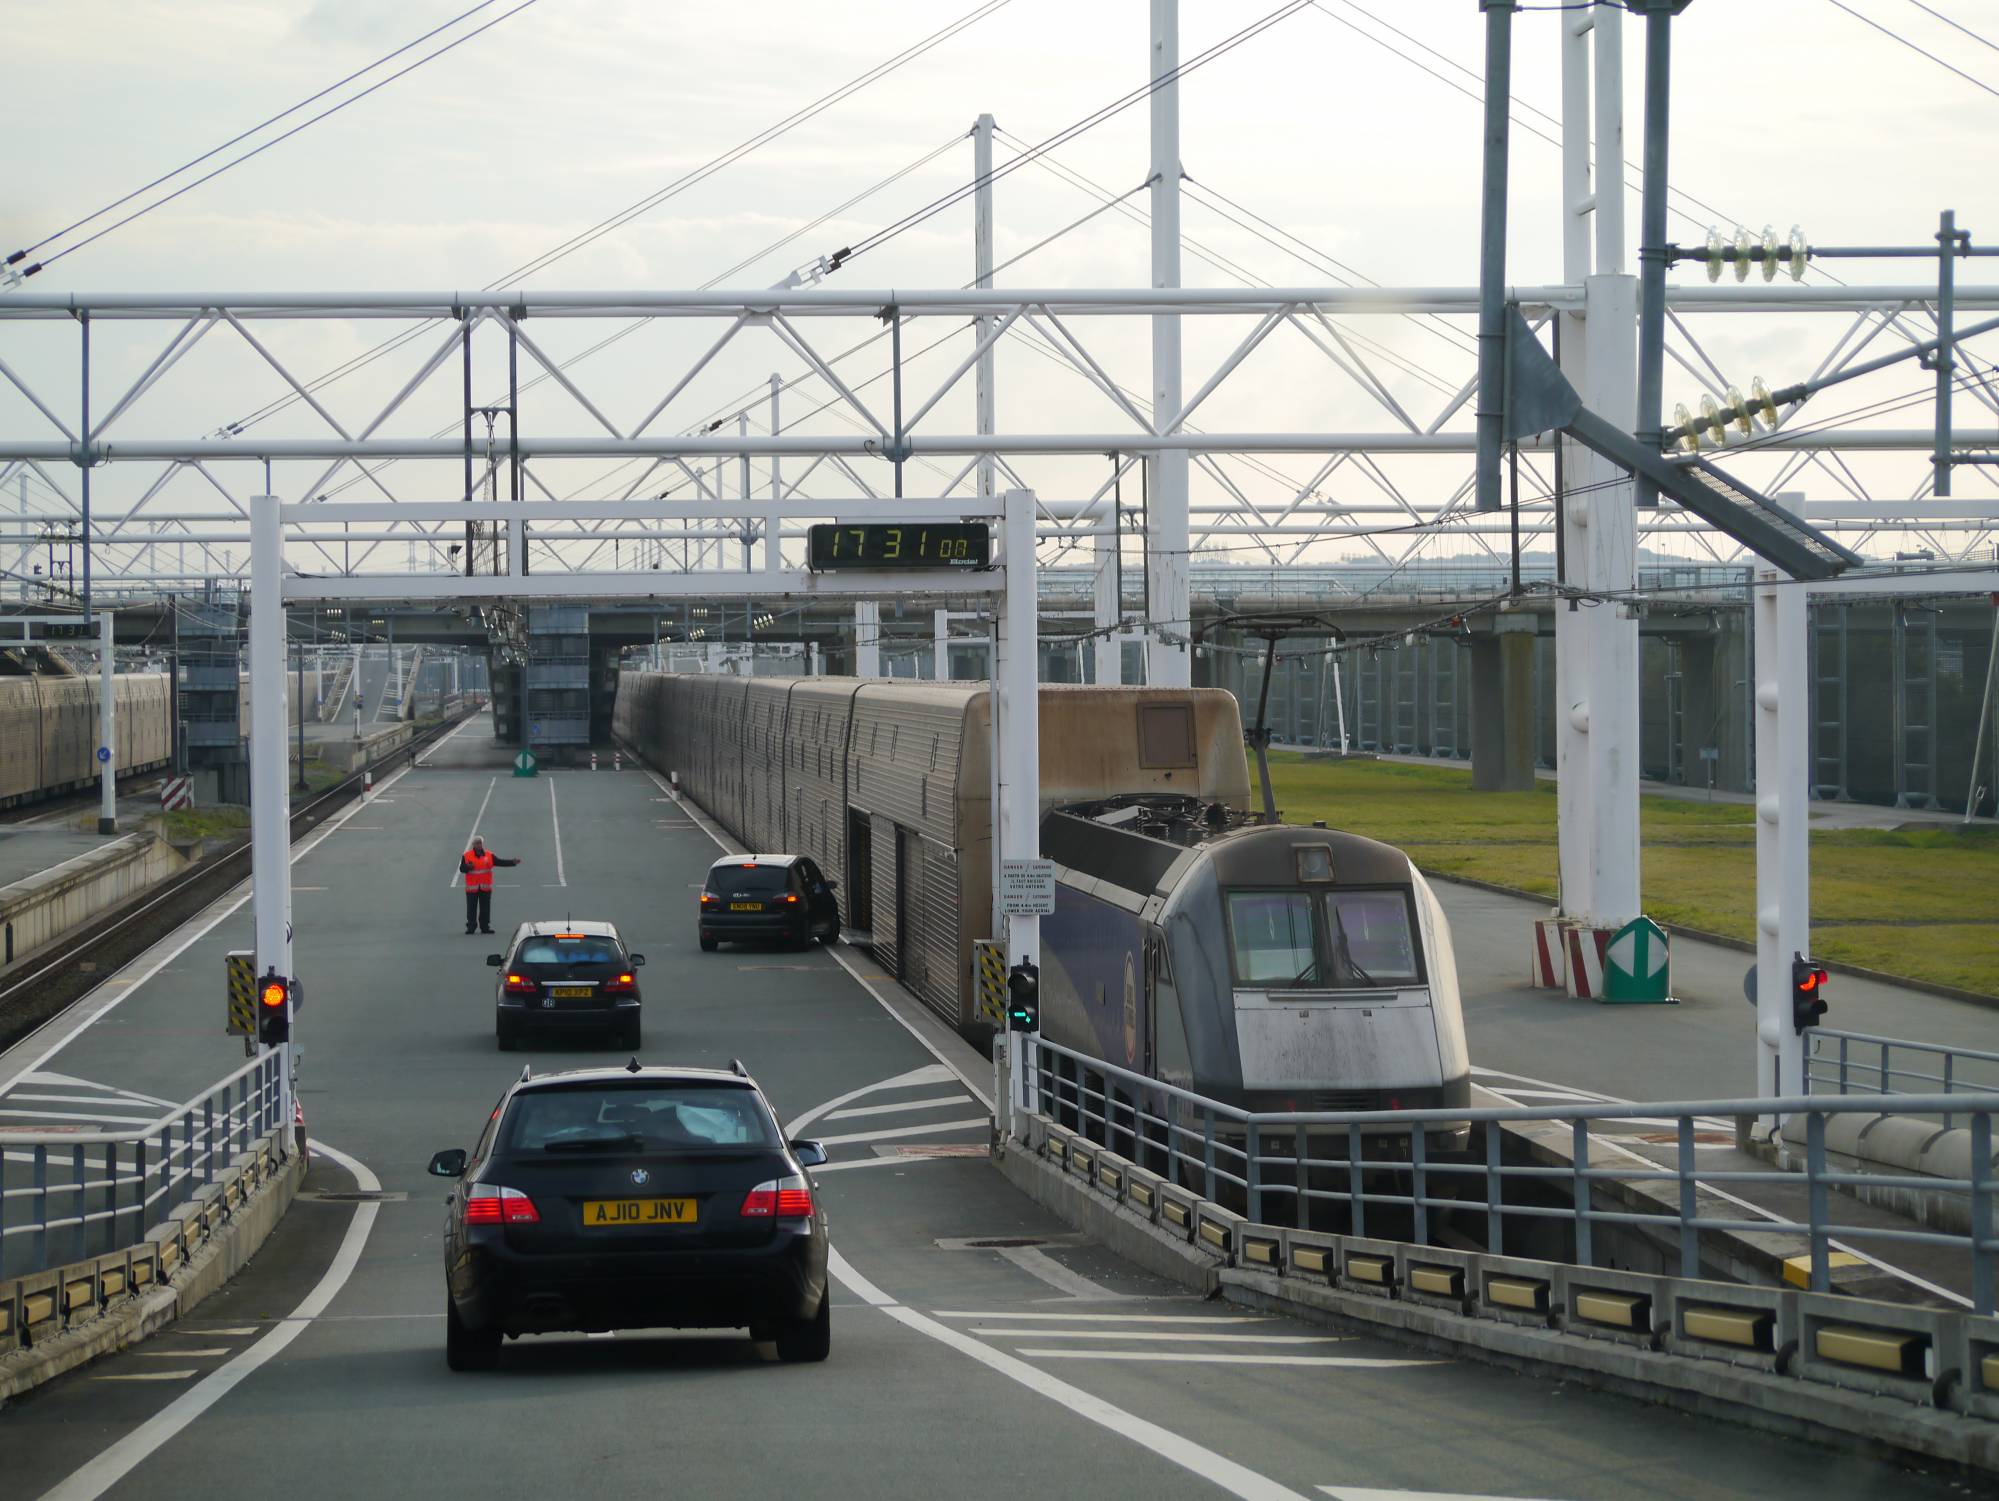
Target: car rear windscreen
(639,1118)
(748,880)
(573,948)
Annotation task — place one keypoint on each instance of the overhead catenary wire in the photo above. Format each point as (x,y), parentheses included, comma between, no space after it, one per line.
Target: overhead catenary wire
(1890,32)
(259,150)
(245,135)
(679,185)
(1078,127)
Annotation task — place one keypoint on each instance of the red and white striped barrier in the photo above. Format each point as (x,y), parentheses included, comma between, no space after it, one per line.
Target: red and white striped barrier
(593,760)
(1586,947)
(617,760)
(367,782)
(1548,967)
(177,792)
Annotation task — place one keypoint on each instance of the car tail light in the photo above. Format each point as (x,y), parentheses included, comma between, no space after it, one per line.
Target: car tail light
(788,1198)
(709,899)
(791,899)
(490,1205)
(623,984)
(521,985)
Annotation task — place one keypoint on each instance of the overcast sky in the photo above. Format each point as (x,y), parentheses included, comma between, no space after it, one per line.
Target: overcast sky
(1327,124)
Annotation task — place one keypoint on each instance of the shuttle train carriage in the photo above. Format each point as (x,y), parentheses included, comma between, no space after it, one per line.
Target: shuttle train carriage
(1271,967)
(48,731)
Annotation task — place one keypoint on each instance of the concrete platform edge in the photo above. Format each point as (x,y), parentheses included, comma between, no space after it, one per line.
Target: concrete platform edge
(221,1257)
(1847,1420)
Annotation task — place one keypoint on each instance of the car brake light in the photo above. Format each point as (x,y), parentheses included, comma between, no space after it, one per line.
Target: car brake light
(787,1198)
(709,899)
(491,1205)
(622,985)
(791,899)
(521,985)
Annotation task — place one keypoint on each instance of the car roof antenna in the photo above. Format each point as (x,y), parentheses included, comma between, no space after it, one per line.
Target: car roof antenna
(736,1067)
(633,1066)
(527,1070)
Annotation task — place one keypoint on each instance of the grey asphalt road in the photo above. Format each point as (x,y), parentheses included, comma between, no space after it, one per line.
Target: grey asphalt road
(1701,1049)
(1046,1369)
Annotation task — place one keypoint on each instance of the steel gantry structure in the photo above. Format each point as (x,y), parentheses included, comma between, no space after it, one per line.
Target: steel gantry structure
(474,441)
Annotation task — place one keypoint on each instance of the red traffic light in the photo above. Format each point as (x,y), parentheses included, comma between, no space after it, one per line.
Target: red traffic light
(273,993)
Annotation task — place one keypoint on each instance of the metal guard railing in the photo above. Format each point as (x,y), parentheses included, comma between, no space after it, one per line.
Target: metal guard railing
(66,1196)
(1221,1151)
(1862,1063)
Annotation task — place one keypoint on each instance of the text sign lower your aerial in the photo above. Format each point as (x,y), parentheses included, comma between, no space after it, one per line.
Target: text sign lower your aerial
(1027,888)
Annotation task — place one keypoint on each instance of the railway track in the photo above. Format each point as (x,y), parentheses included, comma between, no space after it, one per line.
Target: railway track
(53,980)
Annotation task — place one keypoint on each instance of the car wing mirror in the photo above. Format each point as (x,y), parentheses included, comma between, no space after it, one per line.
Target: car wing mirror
(450,1164)
(809,1153)
(831,884)
(494,961)
(638,961)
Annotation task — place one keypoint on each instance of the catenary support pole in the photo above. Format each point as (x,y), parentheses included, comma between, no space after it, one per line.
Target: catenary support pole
(1971,788)
(773,523)
(1019,812)
(270,796)
(1652,230)
(1783,853)
(940,644)
(867,638)
(982,277)
(1168,663)
(1492,248)
(1946,361)
(107,726)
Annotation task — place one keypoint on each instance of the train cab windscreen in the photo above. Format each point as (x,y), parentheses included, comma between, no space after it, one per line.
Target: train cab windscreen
(1330,940)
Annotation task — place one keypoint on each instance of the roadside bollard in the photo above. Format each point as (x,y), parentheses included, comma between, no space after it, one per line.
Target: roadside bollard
(593,760)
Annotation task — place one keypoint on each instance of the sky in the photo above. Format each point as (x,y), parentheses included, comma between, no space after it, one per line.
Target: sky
(1362,143)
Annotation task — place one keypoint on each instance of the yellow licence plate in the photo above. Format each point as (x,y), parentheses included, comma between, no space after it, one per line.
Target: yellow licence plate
(746,906)
(603,1213)
(570,992)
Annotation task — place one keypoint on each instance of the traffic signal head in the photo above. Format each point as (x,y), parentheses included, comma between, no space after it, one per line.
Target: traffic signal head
(1023,998)
(274,1023)
(1807,992)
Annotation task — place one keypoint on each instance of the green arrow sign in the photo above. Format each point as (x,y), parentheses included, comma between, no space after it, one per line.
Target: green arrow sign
(524,764)
(1636,966)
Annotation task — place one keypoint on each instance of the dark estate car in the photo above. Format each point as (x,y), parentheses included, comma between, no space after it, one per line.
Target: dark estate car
(566,976)
(770,899)
(633,1198)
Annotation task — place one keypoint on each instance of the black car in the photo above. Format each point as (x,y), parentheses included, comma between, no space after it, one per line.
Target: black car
(566,976)
(634,1198)
(768,899)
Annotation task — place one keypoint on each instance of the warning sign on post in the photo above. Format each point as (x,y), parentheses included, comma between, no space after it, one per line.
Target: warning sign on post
(1027,888)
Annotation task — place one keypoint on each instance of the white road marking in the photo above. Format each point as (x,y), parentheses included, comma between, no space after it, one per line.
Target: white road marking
(841,1167)
(71,1115)
(146,1376)
(183,1353)
(233,1333)
(73,1099)
(928,1074)
(977,1122)
(556,819)
(1039,1265)
(1199,1337)
(1369,1493)
(475,824)
(121,1458)
(1170,1357)
(463,726)
(1110,1318)
(1236,1479)
(119,998)
(936,1103)
(841,959)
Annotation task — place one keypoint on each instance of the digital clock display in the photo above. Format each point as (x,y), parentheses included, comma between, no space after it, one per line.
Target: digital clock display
(901,544)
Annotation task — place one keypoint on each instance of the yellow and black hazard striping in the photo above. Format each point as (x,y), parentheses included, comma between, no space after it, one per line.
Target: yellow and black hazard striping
(989,975)
(242,968)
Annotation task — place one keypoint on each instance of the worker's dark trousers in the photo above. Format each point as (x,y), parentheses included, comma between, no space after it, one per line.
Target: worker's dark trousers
(479,911)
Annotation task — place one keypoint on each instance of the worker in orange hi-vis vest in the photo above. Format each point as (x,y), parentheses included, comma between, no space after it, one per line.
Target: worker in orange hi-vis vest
(476,865)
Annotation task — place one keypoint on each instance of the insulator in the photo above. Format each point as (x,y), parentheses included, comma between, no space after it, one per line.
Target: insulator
(1743,245)
(1760,404)
(1800,253)
(1736,409)
(1769,253)
(1690,435)
(1711,422)
(1713,253)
